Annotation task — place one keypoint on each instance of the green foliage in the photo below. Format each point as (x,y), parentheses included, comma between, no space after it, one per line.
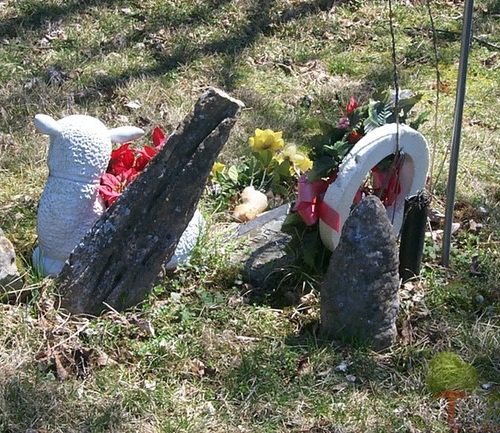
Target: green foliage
(336,139)
(448,372)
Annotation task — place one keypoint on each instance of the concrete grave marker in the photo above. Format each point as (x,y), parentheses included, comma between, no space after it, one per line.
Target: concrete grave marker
(359,300)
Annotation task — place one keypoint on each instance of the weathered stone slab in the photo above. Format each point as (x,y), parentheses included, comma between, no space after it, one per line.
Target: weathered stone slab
(10,279)
(267,244)
(359,300)
(118,261)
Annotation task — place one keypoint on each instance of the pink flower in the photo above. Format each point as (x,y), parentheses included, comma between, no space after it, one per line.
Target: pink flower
(343,123)
(112,185)
(351,105)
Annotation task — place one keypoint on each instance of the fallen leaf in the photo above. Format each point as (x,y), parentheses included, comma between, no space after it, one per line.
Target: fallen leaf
(350,378)
(340,387)
(475,227)
(197,367)
(62,374)
(103,359)
(150,385)
(407,332)
(304,365)
(133,105)
(146,326)
(342,367)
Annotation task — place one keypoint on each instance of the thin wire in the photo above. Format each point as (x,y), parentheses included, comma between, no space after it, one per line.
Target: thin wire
(395,73)
(438,85)
(396,160)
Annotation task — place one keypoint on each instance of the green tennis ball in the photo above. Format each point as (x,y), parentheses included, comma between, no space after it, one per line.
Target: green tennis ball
(448,372)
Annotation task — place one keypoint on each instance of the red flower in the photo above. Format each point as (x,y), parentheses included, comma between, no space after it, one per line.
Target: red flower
(354,137)
(122,159)
(351,105)
(112,186)
(159,137)
(145,155)
(386,185)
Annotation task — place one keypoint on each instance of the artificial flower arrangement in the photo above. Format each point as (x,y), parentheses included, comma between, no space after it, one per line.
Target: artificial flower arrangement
(125,165)
(327,150)
(273,168)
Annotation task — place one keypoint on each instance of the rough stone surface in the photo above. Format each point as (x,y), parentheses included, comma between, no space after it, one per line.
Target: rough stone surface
(266,246)
(9,274)
(359,299)
(80,147)
(117,262)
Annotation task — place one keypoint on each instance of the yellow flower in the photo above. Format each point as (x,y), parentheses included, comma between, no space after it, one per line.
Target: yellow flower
(300,161)
(217,167)
(266,139)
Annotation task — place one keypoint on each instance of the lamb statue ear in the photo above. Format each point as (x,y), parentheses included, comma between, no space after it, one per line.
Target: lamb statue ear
(125,133)
(46,124)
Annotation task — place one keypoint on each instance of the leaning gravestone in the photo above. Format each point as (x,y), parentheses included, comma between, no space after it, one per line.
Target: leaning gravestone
(359,300)
(117,262)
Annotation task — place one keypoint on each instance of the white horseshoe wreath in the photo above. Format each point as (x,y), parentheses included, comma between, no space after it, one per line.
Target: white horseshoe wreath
(366,154)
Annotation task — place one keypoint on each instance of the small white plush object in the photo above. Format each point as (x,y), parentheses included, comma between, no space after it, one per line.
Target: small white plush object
(366,154)
(79,152)
(253,203)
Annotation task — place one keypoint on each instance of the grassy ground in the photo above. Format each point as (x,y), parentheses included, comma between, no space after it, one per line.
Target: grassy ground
(198,356)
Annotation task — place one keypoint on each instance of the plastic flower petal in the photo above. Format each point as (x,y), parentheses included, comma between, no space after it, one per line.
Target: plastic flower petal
(159,137)
(300,161)
(122,159)
(351,105)
(112,186)
(217,167)
(303,162)
(343,123)
(266,139)
(145,155)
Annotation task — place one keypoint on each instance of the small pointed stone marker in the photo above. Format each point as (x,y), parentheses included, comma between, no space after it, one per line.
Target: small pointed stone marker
(359,299)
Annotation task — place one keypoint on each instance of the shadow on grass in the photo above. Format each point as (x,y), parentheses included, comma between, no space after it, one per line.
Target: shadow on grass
(38,15)
(27,406)
(260,20)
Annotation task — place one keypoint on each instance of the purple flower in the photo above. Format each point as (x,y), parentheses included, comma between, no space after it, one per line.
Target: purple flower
(343,123)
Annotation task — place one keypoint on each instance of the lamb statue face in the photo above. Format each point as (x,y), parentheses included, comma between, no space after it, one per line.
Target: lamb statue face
(79,152)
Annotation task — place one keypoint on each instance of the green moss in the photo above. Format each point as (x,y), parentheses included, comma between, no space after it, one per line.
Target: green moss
(448,372)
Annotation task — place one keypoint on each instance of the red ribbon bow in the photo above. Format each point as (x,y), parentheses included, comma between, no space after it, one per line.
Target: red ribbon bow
(386,185)
(310,205)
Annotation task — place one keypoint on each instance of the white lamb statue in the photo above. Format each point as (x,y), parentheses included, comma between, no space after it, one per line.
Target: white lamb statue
(79,152)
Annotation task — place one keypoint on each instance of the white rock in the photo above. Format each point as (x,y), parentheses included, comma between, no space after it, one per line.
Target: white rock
(79,152)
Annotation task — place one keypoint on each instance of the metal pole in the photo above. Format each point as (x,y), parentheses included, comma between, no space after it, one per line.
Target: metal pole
(457,129)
